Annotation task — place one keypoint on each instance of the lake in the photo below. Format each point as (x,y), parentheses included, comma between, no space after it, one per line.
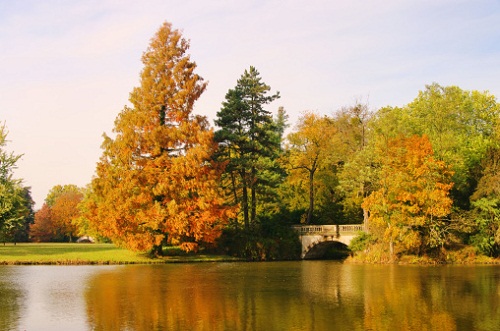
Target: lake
(299,295)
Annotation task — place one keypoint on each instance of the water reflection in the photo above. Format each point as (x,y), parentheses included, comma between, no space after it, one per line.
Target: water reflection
(11,296)
(196,297)
(307,295)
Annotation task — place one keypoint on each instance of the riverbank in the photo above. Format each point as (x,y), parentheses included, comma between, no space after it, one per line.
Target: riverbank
(84,254)
(466,255)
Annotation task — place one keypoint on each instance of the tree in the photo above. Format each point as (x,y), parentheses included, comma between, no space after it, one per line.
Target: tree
(486,205)
(460,125)
(13,203)
(412,201)
(65,211)
(248,140)
(156,181)
(59,190)
(22,234)
(56,221)
(43,229)
(311,148)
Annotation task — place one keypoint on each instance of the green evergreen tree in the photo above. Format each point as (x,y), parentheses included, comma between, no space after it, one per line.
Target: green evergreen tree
(249,139)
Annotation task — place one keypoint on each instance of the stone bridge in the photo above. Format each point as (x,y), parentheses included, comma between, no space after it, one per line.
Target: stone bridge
(316,238)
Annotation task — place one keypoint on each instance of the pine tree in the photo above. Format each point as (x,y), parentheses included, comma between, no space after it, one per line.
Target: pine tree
(248,140)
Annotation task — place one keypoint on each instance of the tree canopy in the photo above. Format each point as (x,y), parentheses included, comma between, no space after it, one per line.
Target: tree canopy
(249,141)
(15,200)
(156,181)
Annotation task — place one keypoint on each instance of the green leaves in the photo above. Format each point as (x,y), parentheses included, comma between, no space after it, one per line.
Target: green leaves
(249,142)
(15,203)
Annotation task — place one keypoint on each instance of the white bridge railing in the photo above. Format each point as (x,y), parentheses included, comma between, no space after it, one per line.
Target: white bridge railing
(328,229)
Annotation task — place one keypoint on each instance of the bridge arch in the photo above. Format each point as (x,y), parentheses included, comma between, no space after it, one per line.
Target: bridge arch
(325,249)
(313,235)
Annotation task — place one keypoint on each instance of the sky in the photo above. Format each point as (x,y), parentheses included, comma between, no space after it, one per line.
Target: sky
(67,67)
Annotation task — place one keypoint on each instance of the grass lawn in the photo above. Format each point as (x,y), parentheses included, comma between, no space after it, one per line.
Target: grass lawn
(72,253)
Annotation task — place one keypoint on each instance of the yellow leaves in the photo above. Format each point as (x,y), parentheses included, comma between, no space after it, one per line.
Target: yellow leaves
(414,189)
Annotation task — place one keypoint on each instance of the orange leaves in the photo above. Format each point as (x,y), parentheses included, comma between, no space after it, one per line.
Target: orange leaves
(413,188)
(156,181)
(43,229)
(56,220)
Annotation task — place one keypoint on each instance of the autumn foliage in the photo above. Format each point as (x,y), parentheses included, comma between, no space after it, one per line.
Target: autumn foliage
(409,208)
(56,220)
(156,181)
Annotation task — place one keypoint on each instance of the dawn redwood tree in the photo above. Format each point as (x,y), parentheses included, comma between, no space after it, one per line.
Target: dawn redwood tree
(156,181)
(248,140)
(410,206)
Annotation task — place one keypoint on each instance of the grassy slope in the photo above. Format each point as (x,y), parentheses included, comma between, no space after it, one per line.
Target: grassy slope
(60,253)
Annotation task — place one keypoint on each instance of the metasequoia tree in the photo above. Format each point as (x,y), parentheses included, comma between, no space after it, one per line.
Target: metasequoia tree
(248,140)
(412,201)
(156,181)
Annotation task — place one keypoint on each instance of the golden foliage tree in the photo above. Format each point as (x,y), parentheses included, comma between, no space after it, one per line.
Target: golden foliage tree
(410,206)
(309,150)
(65,211)
(156,181)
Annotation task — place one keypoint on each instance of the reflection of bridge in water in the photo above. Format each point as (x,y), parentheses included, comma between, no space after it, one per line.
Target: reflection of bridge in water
(316,238)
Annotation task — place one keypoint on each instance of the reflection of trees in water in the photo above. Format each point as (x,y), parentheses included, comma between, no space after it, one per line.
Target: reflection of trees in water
(309,295)
(157,298)
(433,298)
(11,298)
(235,296)
(339,287)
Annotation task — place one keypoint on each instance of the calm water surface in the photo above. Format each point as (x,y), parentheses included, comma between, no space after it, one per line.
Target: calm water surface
(306,295)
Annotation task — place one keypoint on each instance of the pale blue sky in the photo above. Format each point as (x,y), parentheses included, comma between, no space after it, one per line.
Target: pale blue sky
(67,67)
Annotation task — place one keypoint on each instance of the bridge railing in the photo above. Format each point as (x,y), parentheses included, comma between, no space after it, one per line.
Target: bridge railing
(327,229)
(351,227)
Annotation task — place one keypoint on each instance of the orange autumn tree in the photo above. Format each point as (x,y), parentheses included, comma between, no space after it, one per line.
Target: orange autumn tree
(43,229)
(156,181)
(408,211)
(65,210)
(56,220)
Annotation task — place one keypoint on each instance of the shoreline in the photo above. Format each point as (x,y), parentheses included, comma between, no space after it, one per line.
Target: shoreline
(108,254)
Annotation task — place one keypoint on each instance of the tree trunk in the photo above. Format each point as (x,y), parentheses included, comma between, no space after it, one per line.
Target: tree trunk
(365,220)
(157,250)
(244,200)
(253,212)
(233,183)
(311,197)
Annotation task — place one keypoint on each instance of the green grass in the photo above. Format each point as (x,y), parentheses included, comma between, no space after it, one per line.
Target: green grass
(71,253)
